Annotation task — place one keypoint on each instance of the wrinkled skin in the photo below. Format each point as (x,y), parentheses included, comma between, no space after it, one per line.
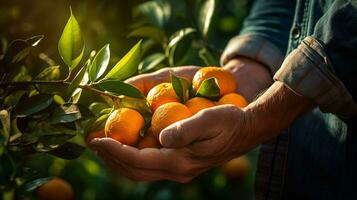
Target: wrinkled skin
(212,136)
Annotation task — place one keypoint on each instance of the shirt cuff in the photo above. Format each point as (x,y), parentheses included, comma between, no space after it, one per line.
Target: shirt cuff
(254,47)
(308,72)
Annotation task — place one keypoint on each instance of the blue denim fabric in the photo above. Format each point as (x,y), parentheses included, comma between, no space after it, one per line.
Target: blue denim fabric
(322,148)
(322,158)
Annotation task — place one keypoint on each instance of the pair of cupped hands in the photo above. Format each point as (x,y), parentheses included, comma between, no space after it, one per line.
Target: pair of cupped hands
(191,146)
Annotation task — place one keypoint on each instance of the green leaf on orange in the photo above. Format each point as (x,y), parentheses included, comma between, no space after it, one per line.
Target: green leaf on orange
(209,89)
(181,87)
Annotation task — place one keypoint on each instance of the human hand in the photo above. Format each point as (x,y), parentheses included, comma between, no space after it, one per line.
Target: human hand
(192,146)
(145,82)
(207,139)
(252,77)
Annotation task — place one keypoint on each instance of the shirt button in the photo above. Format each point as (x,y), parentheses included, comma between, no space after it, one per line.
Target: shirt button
(296,32)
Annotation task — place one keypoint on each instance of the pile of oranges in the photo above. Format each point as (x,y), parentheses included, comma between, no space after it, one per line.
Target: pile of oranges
(126,125)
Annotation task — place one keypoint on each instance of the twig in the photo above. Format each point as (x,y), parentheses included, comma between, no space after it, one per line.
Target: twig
(60,82)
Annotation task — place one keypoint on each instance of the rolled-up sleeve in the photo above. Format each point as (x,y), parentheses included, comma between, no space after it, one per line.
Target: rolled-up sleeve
(324,66)
(265,34)
(308,72)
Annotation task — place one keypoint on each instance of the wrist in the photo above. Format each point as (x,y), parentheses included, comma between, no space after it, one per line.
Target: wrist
(251,76)
(274,111)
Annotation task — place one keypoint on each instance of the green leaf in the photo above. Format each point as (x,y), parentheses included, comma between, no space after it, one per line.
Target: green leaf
(99,123)
(49,73)
(209,89)
(32,105)
(118,88)
(33,41)
(17,51)
(154,12)
(58,99)
(179,35)
(151,62)
(65,113)
(127,66)
(208,58)
(77,79)
(53,141)
(97,107)
(34,184)
(71,44)
(179,45)
(181,87)
(68,151)
(99,64)
(151,32)
(140,105)
(205,16)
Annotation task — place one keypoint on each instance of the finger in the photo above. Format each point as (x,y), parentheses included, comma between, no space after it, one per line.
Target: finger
(145,82)
(149,158)
(141,174)
(188,130)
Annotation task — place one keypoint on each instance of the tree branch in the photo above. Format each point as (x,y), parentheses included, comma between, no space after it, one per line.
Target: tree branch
(57,82)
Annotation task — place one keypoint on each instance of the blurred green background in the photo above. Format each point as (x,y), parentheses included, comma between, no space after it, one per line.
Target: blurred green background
(105,21)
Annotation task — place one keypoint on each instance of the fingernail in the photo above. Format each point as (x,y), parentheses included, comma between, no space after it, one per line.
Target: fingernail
(95,141)
(165,138)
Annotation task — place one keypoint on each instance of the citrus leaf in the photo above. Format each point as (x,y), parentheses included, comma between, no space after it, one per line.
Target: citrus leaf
(34,184)
(71,44)
(137,104)
(97,107)
(118,88)
(49,142)
(33,41)
(208,58)
(99,123)
(65,113)
(49,73)
(127,66)
(209,89)
(32,105)
(205,16)
(179,39)
(179,35)
(154,12)
(17,51)
(68,151)
(151,32)
(77,79)
(181,87)
(151,62)
(99,64)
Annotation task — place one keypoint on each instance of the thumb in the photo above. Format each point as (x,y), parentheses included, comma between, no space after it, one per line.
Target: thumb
(183,132)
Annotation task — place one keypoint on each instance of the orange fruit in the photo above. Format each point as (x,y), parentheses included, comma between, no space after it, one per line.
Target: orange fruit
(168,114)
(124,125)
(225,79)
(55,189)
(161,94)
(233,98)
(95,134)
(148,141)
(198,103)
(237,168)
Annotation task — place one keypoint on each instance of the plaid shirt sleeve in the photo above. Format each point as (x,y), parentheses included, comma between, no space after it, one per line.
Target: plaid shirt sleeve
(308,72)
(255,47)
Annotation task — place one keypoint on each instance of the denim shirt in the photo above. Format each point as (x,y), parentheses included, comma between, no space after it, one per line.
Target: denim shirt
(310,46)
